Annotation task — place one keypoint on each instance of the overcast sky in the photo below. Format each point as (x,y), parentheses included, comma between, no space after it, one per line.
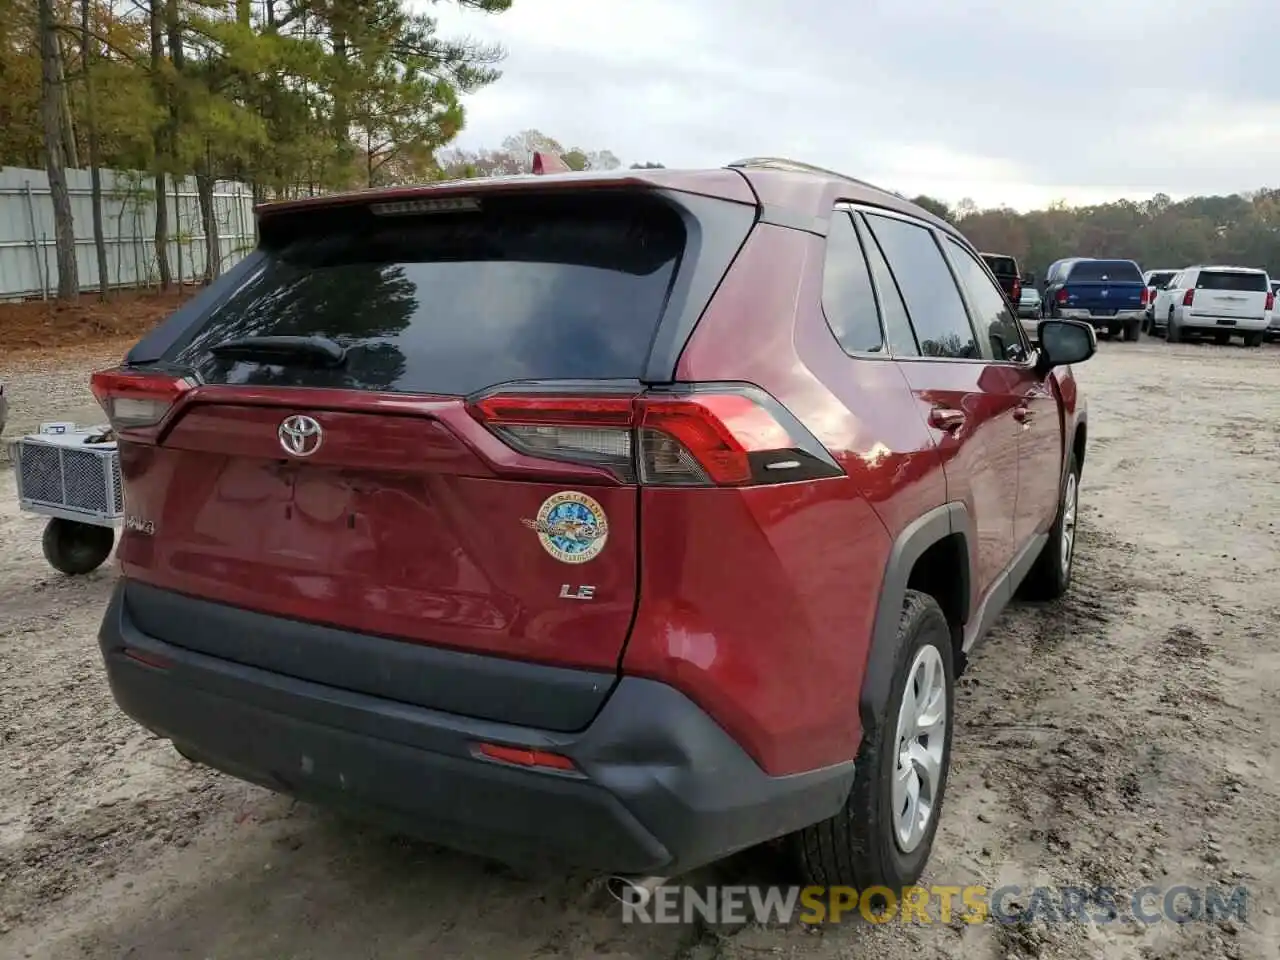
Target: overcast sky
(1019,102)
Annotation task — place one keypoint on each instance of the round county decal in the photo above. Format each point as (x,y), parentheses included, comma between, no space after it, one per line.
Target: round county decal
(571,526)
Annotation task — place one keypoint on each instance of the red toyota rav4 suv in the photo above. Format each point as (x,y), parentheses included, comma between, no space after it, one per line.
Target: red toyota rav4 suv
(628,519)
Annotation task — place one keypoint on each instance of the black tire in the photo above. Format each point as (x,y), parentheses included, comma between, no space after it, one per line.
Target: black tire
(1253,339)
(1050,577)
(1131,331)
(76,548)
(1222,339)
(858,846)
(1170,333)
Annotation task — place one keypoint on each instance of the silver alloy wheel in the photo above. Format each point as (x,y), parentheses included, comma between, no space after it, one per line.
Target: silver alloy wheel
(1069,502)
(922,733)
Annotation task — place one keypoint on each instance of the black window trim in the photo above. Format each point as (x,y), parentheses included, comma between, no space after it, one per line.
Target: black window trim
(886,351)
(936,235)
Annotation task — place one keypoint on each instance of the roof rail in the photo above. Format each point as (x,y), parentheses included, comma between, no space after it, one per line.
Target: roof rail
(797,166)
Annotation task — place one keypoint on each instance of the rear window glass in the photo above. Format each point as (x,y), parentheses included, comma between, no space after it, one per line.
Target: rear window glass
(1119,271)
(570,287)
(1160,279)
(1002,266)
(1232,280)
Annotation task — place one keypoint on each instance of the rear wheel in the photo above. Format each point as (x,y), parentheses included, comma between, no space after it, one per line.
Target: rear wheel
(76,548)
(1050,577)
(883,834)
(1253,339)
(1171,333)
(1131,331)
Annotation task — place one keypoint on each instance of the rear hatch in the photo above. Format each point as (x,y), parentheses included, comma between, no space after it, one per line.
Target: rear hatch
(1103,286)
(1230,295)
(326,460)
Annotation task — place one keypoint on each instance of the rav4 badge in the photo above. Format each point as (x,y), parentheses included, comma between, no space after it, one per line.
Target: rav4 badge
(571,526)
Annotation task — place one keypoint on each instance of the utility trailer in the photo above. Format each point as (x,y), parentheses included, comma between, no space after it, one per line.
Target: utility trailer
(71,475)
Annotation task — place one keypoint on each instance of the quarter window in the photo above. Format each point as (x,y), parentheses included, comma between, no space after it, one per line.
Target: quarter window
(848,299)
(929,290)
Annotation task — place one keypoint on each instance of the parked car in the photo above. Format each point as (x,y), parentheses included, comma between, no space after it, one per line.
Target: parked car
(1110,295)
(1155,281)
(1007,275)
(1029,310)
(1052,277)
(1221,301)
(619,594)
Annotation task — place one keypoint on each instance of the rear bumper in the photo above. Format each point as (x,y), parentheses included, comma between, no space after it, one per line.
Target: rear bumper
(661,789)
(1222,324)
(1119,318)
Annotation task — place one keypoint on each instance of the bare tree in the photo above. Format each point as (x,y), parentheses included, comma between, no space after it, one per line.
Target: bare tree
(88,55)
(51,109)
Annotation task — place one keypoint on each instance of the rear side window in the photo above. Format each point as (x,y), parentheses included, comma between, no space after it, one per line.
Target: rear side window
(1160,279)
(1116,271)
(933,302)
(848,299)
(1237,280)
(991,311)
(893,312)
(569,287)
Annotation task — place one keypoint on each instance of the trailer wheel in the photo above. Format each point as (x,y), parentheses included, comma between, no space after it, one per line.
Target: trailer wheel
(76,548)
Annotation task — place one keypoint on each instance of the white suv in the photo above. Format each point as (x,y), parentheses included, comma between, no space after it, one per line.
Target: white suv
(1220,301)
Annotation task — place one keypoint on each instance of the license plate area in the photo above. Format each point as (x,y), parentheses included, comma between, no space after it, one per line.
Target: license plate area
(1104,313)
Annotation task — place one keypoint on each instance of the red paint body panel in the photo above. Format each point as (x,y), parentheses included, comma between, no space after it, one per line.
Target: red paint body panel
(396,526)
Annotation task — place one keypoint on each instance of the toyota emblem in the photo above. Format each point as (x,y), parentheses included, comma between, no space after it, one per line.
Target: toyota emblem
(300,435)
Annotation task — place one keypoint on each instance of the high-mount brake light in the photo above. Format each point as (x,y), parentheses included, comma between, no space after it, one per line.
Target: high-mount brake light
(134,399)
(408,208)
(728,436)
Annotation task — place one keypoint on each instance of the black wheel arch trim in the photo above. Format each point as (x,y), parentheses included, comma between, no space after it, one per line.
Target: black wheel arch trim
(909,546)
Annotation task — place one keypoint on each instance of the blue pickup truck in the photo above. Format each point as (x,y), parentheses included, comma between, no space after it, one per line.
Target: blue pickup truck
(1110,295)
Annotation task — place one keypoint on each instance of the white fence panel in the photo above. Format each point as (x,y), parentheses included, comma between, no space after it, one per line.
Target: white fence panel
(28,259)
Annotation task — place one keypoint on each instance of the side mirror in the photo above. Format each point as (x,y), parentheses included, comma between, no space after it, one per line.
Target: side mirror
(1064,342)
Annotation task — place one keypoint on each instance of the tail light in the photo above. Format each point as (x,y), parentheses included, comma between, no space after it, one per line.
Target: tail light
(1061,296)
(1017,290)
(1146,295)
(1189,298)
(135,400)
(1271,303)
(721,435)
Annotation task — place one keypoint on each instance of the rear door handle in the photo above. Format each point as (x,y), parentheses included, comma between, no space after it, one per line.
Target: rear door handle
(946,418)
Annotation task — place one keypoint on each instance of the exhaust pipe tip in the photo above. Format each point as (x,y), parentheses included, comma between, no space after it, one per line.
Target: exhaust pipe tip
(633,891)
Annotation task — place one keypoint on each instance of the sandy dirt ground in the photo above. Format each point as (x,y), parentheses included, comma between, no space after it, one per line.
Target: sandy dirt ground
(1129,735)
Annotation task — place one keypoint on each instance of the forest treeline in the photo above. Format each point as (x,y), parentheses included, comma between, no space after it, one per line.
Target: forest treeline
(1241,229)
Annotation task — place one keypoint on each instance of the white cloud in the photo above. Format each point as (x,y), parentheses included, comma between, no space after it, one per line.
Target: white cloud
(1004,103)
